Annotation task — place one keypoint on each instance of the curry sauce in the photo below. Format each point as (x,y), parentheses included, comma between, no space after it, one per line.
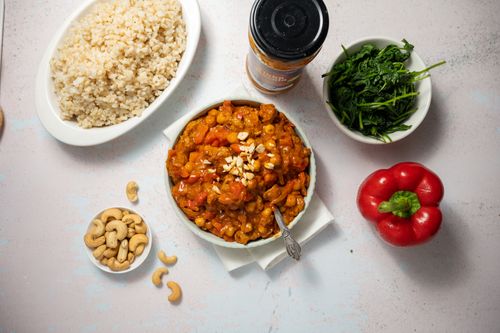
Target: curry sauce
(230,167)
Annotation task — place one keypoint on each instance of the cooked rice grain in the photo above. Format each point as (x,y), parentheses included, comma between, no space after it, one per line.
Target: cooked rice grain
(117,60)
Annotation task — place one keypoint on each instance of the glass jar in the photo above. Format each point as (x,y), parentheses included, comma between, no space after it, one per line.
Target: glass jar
(284,36)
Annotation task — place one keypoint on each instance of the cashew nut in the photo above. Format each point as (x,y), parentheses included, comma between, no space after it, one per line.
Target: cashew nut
(131,191)
(98,253)
(123,251)
(92,242)
(114,265)
(111,239)
(167,260)
(157,274)
(137,240)
(131,232)
(131,257)
(141,228)
(139,250)
(118,242)
(120,227)
(131,218)
(111,212)
(176,291)
(97,228)
(109,253)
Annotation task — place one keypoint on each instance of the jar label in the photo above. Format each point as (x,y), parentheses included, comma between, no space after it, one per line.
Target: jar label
(269,78)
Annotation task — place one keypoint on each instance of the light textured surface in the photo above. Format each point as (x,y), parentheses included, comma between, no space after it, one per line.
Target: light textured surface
(49,191)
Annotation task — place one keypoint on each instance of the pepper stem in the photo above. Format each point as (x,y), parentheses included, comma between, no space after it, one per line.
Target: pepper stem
(402,203)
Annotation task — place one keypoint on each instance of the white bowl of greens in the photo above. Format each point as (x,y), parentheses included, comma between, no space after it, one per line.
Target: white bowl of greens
(377,90)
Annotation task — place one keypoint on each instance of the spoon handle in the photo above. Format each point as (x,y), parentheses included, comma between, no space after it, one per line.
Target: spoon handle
(292,246)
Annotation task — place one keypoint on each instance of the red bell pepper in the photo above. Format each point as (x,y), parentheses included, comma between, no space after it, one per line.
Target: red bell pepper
(403,203)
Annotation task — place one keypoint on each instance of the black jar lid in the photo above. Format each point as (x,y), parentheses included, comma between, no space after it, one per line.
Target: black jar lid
(289,29)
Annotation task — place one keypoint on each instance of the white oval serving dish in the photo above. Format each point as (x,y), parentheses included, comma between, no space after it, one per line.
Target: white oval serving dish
(68,131)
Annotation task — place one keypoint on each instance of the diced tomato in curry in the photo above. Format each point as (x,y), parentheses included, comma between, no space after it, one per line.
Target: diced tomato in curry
(237,205)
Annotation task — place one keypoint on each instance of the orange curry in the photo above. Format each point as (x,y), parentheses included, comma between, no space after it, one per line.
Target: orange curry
(230,167)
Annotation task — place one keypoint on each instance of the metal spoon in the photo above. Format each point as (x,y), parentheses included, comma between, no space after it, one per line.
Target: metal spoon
(292,246)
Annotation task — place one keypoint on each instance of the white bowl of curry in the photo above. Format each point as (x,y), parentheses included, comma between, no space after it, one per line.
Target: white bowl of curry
(231,164)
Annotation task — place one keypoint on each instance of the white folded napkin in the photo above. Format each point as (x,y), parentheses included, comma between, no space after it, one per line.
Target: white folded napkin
(315,219)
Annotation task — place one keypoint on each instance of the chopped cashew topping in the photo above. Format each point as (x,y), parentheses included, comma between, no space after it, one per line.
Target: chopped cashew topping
(242,165)
(242,136)
(249,175)
(269,166)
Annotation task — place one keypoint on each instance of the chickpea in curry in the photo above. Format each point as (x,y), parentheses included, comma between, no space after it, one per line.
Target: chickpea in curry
(232,166)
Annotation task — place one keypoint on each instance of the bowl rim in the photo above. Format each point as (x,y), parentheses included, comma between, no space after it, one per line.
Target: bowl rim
(209,237)
(421,112)
(69,132)
(138,261)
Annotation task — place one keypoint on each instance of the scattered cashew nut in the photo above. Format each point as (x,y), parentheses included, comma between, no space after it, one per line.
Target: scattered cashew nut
(114,265)
(122,251)
(137,240)
(120,227)
(111,239)
(92,242)
(176,291)
(99,251)
(97,228)
(167,260)
(111,212)
(131,191)
(157,274)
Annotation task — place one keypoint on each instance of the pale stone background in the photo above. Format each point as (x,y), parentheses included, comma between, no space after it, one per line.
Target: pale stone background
(49,191)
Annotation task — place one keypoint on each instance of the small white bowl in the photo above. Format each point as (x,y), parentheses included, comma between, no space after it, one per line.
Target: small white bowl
(138,260)
(69,132)
(422,101)
(209,237)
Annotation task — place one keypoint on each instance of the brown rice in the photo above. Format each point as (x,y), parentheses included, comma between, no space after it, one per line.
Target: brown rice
(117,60)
